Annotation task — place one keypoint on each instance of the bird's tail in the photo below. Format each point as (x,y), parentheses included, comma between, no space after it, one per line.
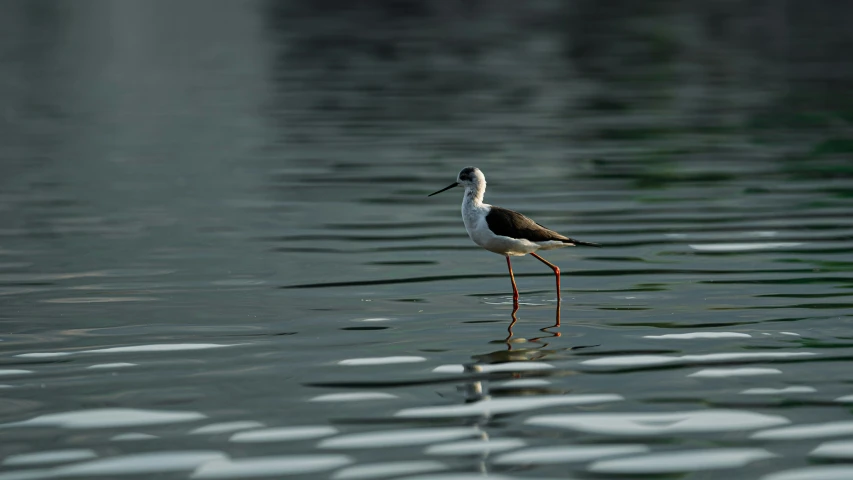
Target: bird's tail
(579,243)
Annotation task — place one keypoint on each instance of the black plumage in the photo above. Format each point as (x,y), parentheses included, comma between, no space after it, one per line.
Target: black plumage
(512,224)
(466,173)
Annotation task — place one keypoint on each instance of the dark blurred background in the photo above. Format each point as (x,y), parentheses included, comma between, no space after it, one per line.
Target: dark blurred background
(144,114)
(456,77)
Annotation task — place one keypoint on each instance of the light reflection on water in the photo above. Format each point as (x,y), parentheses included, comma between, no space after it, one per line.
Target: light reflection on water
(217,258)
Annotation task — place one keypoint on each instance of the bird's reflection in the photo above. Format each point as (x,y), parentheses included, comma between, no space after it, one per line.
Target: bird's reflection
(476,389)
(509,339)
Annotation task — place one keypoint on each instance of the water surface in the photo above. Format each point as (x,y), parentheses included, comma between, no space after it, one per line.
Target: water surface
(218,260)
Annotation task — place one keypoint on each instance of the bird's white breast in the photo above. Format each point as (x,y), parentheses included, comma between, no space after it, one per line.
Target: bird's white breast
(474,217)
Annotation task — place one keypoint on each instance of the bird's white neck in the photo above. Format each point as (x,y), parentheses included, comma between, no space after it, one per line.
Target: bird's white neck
(474,194)
(474,211)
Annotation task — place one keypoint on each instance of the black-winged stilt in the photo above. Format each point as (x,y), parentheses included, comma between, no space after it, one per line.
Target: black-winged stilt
(503,231)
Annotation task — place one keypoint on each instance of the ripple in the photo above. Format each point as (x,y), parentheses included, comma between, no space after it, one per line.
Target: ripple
(395,438)
(389,469)
(632,361)
(238,282)
(660,423)
(154,462)
(106,418)
(566,454)
(697,335)
(111,365)
(132,436)
(163,347)
(44,354)
(32,474)
(523,383)
(799,432)
(734,372)
(774,391)
(353,397)
(381,360)
(14,372)
(841,449)
(490,406)
(742,247)
(449,369)
(270,466)
(100,299)
(686,461)
(142,463)
(829,472)
(845,399)
(282,434)
(475,447)
(494,367)
(226,427)
(52,456)
(653,360)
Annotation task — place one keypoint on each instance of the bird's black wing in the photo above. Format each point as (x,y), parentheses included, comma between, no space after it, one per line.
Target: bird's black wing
(512,224)
(515,225)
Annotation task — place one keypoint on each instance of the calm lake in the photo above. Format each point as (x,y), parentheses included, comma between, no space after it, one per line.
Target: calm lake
(218,258)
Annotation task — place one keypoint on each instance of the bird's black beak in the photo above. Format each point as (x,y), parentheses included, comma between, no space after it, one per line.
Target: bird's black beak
(454,184)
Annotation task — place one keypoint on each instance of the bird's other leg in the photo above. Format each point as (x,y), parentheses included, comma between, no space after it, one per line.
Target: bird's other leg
(512,278)
(556,270)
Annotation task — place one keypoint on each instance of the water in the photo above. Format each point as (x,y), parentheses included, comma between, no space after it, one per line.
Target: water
(217,258)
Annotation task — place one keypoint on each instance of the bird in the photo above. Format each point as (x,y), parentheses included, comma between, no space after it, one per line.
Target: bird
(503,231)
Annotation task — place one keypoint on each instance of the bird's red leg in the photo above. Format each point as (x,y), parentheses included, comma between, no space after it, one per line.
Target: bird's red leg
(558,315)
(556,270)
(511,324)
(512,278)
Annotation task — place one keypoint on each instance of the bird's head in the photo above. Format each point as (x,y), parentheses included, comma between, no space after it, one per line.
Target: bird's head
(469,177)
